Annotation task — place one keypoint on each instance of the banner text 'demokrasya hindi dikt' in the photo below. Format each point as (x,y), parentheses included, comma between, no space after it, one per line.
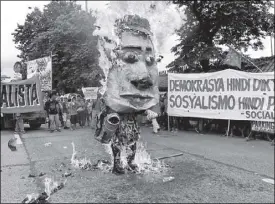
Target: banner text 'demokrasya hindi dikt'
(227,94)
(21,96)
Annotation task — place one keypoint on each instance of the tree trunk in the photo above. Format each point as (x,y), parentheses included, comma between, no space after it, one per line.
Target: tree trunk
(205,64)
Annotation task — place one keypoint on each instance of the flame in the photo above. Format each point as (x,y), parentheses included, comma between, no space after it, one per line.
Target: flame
(142,160)
(145,163)
(31,197)
(50,185)
(80,163)
(164,18)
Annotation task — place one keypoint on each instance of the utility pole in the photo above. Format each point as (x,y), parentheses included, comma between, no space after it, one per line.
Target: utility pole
(86,5)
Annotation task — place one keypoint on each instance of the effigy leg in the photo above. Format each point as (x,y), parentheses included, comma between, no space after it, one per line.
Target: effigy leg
(117,168)
(131,156)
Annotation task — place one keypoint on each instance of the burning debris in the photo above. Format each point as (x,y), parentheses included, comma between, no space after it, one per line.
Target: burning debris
(142,160)
(42,174)
(66,174)
(82,163)
(167,179)
(51,187)
(47,144)
(145,163)
(36,198)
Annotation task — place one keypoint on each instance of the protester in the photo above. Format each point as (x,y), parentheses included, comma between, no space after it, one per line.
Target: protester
(151,116)
(53,108)
(47,99)
(165,115)
(89,106)
(96,110)
(72,109)
(59,100)
(174,124)
(161,118)
(65,112)
(81,113)
(78,104)
(19,125)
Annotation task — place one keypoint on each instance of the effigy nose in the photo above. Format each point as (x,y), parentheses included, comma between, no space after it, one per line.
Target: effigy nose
(142,84)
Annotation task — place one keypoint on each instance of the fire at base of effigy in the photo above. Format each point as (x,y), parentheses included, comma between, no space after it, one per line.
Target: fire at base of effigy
(143,160)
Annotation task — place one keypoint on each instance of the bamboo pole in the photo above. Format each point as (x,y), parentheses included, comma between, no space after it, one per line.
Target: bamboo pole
(245,58)
(52,70)
(86,5)
(228,128)
(166,157)
(168,122)
(271,44)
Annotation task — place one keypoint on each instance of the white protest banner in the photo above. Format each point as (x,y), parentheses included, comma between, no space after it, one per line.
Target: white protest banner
(267,127)
(43,68)
(227,94)
(90,92)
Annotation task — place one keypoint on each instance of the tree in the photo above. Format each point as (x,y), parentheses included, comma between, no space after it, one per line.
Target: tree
(66,31)
(208,24)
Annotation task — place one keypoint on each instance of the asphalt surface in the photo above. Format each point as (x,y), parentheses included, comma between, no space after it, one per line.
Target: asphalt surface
(212,169)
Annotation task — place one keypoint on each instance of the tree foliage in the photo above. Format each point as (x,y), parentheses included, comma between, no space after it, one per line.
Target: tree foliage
(66,31)
(241,24)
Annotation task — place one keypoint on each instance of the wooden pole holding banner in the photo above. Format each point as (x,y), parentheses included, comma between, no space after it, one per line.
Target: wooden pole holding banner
(245,58)
(271,44)
(86,6)
(168,122)
(51,70)
(228,128)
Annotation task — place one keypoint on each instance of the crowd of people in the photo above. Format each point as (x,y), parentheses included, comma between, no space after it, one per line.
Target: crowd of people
(69,112)
(77,112)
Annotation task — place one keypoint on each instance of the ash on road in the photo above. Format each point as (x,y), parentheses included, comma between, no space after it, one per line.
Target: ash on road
(211,169)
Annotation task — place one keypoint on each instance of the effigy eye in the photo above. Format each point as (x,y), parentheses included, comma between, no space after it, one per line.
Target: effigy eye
(150,60)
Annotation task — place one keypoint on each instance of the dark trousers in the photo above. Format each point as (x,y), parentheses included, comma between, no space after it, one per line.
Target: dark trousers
(174,123)
(81,118)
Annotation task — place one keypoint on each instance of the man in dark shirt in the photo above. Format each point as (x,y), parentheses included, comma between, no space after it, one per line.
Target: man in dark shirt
(53,108)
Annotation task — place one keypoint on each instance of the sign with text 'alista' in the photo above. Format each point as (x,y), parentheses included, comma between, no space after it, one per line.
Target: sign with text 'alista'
(21,96)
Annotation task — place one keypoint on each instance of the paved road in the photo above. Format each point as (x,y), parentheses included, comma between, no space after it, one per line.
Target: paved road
(211,169)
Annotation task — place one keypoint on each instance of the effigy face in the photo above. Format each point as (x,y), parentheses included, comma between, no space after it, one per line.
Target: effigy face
(133,80)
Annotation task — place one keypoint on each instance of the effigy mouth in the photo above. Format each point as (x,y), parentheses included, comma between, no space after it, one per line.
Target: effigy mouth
(135,96)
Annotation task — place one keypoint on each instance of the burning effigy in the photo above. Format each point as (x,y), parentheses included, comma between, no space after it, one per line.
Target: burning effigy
(131,88)
(130,36)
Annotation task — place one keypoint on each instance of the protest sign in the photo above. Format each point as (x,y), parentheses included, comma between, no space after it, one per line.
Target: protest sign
(267,127)
(43,68)
(90,92)
(227,94)
(21,96)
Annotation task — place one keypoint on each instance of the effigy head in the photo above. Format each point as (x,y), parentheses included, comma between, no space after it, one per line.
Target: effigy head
(132,82)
